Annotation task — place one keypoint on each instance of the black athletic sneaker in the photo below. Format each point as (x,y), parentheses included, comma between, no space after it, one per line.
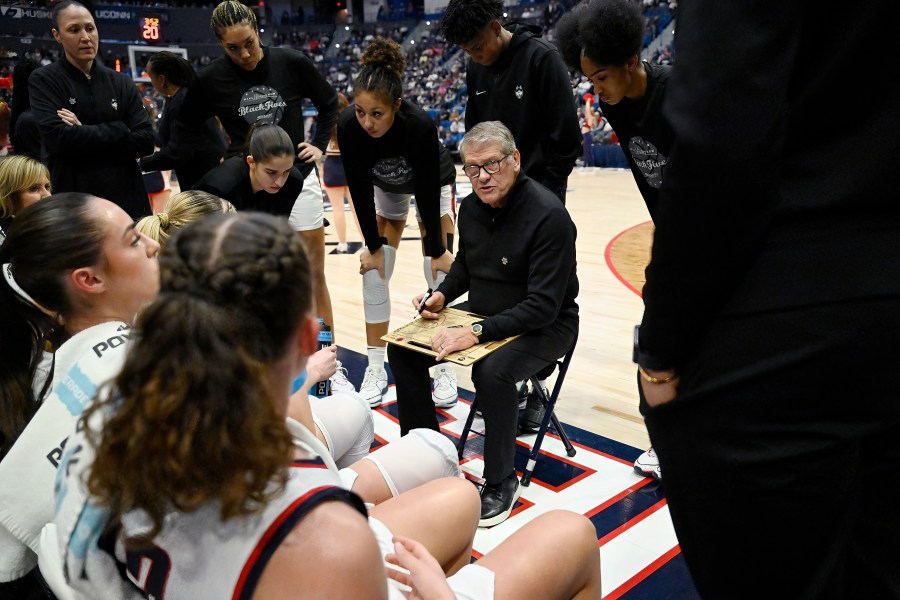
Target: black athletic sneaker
(522,393)
(497,501)
(531,418)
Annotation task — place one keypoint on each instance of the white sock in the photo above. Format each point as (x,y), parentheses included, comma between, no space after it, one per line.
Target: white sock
(376,356)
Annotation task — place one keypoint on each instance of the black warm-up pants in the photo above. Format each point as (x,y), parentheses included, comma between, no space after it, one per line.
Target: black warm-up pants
(495,378)
(779,452)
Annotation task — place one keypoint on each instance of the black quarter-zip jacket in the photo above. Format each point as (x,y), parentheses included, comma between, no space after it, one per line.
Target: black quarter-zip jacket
(517,262)
(99,156)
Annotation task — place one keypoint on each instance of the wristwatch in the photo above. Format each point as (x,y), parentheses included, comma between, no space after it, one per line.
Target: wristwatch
(477,329)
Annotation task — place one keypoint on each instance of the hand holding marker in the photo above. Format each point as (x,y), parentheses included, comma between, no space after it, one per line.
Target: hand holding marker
(424,300)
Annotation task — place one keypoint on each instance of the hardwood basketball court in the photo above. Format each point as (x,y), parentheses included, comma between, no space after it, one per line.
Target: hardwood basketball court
(600,393)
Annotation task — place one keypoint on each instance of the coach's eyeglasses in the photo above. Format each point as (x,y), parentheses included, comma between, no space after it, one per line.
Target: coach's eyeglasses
(472,171)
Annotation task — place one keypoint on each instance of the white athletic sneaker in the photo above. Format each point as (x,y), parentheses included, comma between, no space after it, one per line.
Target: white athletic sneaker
(374,385)
(647,464)
(339,381)
(445,392)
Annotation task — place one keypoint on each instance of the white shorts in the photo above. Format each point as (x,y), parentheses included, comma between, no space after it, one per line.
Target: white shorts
(308,212)
(472,582)
(395,207)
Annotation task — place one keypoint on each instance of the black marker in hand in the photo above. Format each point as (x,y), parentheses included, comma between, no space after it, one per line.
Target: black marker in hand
(424,300)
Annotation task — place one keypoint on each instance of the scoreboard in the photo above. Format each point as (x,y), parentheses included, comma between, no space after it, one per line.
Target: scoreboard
(150,27)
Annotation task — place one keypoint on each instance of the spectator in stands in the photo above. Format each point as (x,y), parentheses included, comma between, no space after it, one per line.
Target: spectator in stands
(255,83)
(449,142)
(518,78)
(171,75)
(5,118)
(456,125)
(23,127)
(588,121)
(92,121)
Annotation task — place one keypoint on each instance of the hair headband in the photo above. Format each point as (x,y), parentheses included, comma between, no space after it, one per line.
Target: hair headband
(8,275)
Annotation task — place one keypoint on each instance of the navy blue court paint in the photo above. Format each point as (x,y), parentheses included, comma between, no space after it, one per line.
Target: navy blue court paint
(627,516)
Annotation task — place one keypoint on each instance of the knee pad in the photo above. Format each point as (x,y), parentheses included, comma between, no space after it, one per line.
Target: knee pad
(432,283)
(418,457)
(376,298)
(346,423)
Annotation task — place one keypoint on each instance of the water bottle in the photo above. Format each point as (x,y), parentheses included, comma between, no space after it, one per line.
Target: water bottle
(323,388)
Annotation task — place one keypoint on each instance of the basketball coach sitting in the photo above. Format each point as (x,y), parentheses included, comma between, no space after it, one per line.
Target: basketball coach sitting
(516,260)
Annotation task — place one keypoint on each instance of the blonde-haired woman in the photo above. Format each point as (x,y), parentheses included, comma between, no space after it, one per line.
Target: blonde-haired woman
(181,209)
(23,181)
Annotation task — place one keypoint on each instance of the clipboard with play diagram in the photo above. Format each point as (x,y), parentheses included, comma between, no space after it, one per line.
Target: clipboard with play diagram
(416,335)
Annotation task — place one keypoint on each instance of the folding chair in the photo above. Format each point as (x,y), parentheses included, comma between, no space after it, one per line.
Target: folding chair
(549,403)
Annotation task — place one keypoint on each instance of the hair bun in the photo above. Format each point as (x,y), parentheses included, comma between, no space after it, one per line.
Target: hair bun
(385,54)
(163,220)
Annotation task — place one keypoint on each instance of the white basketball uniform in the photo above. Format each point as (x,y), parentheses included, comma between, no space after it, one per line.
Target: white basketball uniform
(83,364)
(196,555)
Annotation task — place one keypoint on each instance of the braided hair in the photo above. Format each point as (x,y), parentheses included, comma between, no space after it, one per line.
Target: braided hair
(171,66)
(194,395)
(230,13)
